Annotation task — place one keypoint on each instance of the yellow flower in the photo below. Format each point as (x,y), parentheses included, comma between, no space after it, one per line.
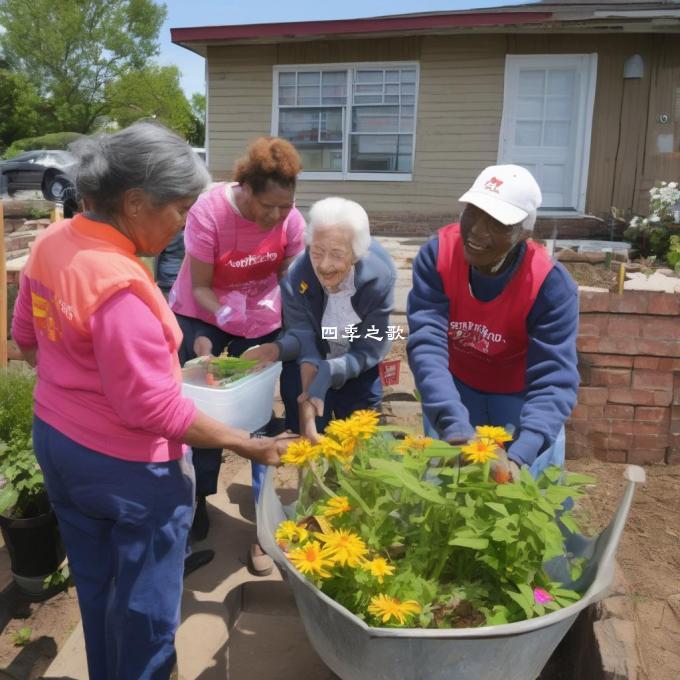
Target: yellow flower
(311,558)
(289,532)
(300,452)
(385,608)
(497,434)
(344,433)
(330,448)
(337,506)
(379,567)
(345,547)
(409,443)
(365,422)
(479,450)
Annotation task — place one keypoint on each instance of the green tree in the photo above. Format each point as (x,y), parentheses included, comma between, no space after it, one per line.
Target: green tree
(197,136)
(152,92)
(20,108)
(72,49)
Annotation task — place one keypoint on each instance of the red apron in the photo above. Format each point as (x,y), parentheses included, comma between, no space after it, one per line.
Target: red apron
(488,341)
(248,281)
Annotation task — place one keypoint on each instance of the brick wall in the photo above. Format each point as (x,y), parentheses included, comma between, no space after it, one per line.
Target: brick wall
(629,359)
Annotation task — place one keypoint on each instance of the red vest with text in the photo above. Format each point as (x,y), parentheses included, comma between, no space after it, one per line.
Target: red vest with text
(488,341)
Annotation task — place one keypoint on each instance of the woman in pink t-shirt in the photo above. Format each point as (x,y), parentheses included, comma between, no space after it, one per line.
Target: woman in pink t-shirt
(240,237)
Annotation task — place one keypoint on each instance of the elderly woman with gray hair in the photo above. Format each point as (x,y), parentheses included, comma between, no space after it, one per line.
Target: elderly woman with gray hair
(337,298)
(110,420)
(493,324)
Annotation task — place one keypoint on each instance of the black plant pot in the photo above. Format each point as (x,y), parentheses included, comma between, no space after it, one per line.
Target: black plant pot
(35,551)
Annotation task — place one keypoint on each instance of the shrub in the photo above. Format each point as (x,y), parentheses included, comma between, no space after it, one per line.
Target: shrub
(54,140)
(651,235)
(16,404)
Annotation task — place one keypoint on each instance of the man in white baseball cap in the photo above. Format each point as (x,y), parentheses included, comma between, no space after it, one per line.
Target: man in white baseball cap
(493,324)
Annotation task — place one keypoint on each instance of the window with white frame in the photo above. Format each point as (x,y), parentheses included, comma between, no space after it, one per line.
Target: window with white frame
(352,122)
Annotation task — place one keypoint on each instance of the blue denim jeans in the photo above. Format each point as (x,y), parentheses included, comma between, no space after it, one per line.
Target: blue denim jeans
(504,410)
(124,526)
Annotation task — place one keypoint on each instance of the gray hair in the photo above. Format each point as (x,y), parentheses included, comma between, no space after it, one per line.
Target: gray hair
(144,156)
(343,213)
(528,222)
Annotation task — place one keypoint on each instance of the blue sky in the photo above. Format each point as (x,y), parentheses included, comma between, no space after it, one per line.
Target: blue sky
(185,13)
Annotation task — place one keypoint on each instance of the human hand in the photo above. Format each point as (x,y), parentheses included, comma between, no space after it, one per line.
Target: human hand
(202,346)
(233,309)
(263,354)
(308,413)
(267,450)
(504,470)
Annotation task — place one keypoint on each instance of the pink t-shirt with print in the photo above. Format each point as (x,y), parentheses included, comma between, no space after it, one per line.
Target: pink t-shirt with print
(216,233)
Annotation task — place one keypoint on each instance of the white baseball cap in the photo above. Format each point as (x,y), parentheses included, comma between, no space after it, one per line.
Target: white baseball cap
(509,193)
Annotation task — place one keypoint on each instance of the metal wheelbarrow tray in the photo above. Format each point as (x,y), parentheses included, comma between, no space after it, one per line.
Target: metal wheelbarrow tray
(515,651)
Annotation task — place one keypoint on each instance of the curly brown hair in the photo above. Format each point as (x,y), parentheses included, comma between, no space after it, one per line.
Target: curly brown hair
(268,158)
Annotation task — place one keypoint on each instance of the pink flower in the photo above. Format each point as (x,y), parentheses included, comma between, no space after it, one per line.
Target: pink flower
(542,596)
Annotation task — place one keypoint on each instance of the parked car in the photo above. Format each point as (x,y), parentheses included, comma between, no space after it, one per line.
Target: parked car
(44,170)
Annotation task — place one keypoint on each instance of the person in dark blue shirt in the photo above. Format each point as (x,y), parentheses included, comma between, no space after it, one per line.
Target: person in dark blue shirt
(493,324)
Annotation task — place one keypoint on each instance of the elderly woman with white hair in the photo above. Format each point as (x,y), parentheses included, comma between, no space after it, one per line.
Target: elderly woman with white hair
(337,298)
(492,326)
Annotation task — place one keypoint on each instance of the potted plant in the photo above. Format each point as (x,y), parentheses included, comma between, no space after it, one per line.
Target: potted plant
(657,234)
(28,523)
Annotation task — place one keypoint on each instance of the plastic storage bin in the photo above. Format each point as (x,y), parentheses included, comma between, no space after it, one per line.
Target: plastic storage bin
(245,403)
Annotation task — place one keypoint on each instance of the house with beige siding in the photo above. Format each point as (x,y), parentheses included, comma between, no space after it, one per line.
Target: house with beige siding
(400,113)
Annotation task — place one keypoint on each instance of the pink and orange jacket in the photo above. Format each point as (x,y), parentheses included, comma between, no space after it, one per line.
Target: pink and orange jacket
(108,373)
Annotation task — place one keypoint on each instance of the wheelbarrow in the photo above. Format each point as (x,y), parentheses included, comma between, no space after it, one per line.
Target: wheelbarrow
(514,651)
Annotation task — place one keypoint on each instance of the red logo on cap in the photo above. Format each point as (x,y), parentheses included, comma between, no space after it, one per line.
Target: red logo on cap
(494,184)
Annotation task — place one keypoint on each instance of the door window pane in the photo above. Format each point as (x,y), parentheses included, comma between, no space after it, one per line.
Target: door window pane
(528,134)
(530,107)
(561,82)
(556,133)
(559,108)
(531,83)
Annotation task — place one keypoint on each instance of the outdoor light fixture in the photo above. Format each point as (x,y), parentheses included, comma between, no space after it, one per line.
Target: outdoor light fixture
(634,67)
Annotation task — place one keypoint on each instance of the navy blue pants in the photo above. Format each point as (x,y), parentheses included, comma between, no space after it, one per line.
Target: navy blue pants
(364,391)
(125,527)
(207,461)
(503,410)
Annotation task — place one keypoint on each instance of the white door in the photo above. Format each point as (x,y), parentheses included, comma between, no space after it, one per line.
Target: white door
(547,115)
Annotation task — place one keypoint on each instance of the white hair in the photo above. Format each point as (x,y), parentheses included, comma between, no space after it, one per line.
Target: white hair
(342,213)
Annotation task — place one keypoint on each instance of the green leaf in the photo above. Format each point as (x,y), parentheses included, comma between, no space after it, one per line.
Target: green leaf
(569,523)
(425,491)
(497,507)
(352,493)
(553,473)
(527,607)
(474,543)
(8,498)
(559,494)
(511,491)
